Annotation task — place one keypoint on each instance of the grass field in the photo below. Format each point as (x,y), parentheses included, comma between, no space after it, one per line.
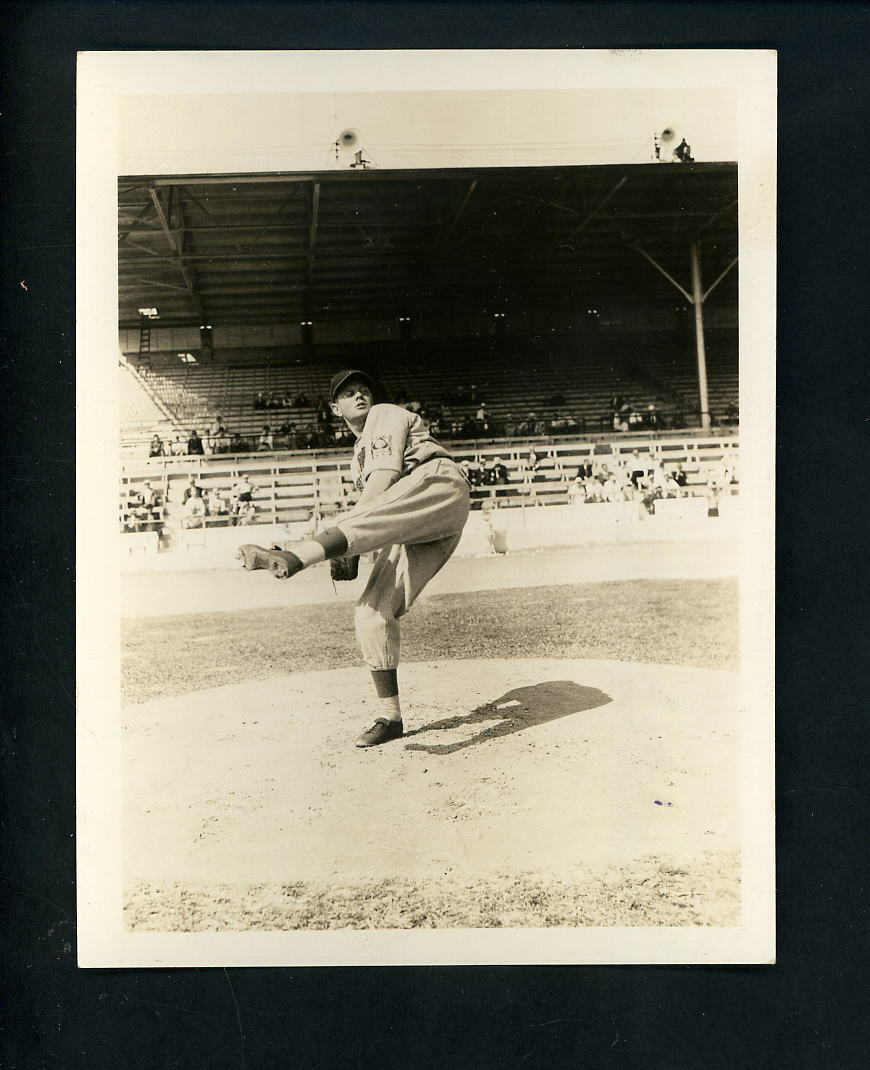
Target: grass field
(670,622)
(649,892)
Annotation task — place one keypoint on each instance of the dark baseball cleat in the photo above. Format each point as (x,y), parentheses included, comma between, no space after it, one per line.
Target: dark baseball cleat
(281,563)
(382,731)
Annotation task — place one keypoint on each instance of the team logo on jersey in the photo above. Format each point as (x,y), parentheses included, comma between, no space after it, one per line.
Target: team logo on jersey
(382,445)
(360,463)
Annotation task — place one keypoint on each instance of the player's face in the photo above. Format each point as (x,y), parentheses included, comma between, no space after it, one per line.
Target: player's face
(353,401)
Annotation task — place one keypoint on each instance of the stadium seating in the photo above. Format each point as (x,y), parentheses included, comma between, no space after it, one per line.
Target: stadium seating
(522,379)
(294,487)
(568,376)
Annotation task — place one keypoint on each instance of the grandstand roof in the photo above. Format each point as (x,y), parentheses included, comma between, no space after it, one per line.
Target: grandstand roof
(371,244)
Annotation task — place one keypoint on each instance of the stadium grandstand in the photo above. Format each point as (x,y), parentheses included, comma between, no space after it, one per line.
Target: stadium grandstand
(570,332)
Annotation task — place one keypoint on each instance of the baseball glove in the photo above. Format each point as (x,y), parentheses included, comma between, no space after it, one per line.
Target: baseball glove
(344,568)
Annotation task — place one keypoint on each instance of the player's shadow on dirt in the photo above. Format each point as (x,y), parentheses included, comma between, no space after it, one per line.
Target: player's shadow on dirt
(524,707)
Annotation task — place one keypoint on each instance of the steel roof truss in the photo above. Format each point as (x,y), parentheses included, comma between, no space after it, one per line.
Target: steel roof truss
(177,249)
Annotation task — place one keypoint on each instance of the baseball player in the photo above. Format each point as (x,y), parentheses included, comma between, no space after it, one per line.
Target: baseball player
(413,504)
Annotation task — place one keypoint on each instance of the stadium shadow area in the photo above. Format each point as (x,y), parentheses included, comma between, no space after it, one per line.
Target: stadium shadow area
(519,709)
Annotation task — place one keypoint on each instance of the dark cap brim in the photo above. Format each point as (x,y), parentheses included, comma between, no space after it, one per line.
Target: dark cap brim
(339,380)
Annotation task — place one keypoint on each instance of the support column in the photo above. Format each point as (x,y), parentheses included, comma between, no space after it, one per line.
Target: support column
(698,305)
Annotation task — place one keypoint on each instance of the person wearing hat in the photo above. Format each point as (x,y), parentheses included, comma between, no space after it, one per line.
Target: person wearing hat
(413,503)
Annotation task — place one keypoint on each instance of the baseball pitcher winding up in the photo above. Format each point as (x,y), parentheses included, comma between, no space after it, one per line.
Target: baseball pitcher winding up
(412,507)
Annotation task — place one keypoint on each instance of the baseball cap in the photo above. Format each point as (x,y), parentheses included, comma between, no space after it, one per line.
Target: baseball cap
(342,377)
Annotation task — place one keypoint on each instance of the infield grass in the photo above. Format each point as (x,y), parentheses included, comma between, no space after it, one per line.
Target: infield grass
(675,622)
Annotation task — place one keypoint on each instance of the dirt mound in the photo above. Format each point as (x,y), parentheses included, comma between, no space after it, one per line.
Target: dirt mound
(561,774)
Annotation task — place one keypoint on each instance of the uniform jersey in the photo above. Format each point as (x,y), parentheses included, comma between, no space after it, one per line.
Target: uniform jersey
(393,440)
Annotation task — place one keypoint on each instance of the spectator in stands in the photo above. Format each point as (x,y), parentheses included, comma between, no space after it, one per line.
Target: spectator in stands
(577,492)
(593,489)
(475,472)
(533,467)
(635,420)
(635,467)
(495,473)
(220,440)
(243,492)
(153,501)
(732,415)
(194,444)
(612,489)
(670,488)
(135,509)
(216,504)
(179,447)
(191,490)
(265,441)
(719,474)
(529,426)
(616,403)
(584,469)
(260,400)
(652,418)
(237,443)
(246,514)
(156,447)
(287,431)
(214,429)
(657,478)
(301,401)
(621,410)
(193,510)
(679,477)
(714,496)
(510,427)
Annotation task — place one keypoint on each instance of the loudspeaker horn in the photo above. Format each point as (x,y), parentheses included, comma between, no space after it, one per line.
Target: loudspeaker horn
(348,139)
(670,135)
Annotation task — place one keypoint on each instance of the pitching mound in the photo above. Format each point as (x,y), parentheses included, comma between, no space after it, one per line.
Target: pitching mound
(529,792)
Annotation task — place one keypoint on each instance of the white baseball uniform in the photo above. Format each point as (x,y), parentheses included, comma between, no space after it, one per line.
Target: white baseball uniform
(416,523)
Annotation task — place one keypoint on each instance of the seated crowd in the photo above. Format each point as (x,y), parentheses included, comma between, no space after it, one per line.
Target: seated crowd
(625,416)
(641,478)
(235,507)
(143,509)
(280,399)
(460,413)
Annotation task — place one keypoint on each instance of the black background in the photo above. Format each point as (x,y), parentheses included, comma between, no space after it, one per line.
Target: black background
(807,1011)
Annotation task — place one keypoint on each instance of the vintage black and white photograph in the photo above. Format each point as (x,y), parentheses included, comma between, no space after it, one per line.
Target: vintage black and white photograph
(433,462)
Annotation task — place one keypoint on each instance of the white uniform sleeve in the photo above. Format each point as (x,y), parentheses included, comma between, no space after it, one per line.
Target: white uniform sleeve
(386,436)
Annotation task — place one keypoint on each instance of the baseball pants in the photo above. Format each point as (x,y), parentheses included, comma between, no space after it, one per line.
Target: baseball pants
(416,524)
